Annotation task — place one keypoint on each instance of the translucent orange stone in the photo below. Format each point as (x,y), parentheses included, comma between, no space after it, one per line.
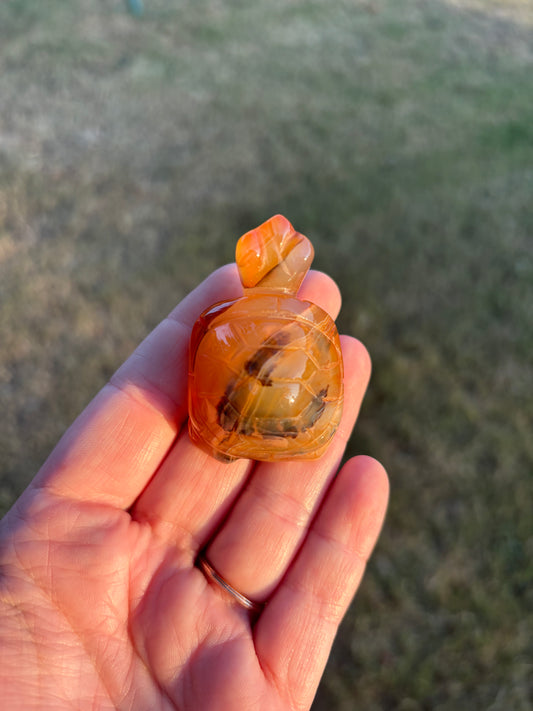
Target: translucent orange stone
(265,370)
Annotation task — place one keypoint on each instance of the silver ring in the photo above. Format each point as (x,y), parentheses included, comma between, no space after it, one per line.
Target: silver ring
(212,575)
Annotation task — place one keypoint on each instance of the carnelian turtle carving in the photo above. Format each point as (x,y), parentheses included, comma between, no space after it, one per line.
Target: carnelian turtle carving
(265,370)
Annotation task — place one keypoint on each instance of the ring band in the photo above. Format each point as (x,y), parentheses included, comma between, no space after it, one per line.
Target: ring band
(211,574)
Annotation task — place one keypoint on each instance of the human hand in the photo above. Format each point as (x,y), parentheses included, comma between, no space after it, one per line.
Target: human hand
(101,604)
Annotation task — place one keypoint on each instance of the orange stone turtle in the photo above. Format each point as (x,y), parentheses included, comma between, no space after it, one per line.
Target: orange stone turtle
(265,370)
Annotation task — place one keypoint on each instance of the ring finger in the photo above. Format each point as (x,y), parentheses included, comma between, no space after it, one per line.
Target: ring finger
(268,523)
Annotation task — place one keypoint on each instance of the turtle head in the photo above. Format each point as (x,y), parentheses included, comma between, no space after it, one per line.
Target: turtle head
(274,257)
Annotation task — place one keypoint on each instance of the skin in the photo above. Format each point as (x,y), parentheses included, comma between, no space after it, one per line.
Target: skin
(101,605)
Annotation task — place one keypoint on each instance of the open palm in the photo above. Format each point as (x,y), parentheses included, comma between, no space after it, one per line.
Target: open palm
(101,604)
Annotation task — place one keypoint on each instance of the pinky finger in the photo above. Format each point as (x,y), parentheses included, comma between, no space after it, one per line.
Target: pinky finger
(293,636)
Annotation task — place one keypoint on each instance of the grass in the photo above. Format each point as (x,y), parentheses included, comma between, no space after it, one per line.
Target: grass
(399,137)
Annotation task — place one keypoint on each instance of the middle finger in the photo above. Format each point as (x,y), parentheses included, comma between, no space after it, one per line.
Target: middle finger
(192,492)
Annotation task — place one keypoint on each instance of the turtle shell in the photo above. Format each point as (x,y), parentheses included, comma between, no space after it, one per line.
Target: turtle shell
(265,378)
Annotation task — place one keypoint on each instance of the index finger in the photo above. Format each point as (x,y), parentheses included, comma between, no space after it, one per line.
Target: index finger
(114,447)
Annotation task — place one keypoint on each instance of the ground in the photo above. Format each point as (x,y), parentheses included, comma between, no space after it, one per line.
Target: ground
(399,138)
